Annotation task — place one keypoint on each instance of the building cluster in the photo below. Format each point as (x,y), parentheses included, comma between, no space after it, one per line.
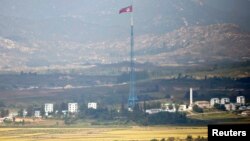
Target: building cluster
(49,109)
(72,108)
(229,106)
(166,107)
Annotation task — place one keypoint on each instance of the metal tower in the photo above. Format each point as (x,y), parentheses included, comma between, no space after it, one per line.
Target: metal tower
(132,99)
(132,92)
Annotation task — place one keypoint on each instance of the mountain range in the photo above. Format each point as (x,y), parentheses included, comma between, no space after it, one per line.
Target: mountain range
(60,33)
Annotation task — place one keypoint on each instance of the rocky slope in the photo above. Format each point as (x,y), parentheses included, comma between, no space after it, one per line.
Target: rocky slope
(187,45)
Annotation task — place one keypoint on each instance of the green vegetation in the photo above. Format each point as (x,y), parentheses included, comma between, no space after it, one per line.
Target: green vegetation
(220,107)
(220,117)
(29,89)
(197,109)
(112,96)
(4,112)
(167,118)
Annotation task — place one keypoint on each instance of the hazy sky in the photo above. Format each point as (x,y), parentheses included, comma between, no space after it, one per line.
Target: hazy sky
(81,20)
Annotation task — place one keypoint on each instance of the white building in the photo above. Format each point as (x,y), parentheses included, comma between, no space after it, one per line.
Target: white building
(153,111)
(202,104)
(92,105)
(64,112)
(182,108)
(224,100)
(6,118)
(72,107)
(25,113)
(13,113)
(230,107)
(168,107)
(37,114)
(48,108)
(240,100)
(214,101)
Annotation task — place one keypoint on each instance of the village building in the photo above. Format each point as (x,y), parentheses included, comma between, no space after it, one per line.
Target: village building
(48,108)
(153,111)
(240,100)
(202,104)
(72,107)
(182,108)
(37,114)
(168,107)
(25,112)
(230,107)
(224,100)
(13,113)
(92,105)
(214,101)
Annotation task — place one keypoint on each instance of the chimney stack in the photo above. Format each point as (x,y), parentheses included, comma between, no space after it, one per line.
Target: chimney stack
(191,99)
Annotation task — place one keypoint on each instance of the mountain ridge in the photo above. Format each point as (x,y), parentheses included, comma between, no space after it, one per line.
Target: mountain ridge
(187,45)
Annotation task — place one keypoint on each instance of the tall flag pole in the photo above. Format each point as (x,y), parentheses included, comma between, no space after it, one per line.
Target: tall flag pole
(132,99)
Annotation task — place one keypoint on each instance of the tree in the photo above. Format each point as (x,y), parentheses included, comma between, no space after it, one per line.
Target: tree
(30,111)
(144,106)
(199,138)
(20,113)
(100,113)
(168,96)
(171,107)
(63,106)
(82,107)
(197,109)
(42,110)
(123,110)
(189,138)
(220,107)
(167,118)
(4,113)
(179,76)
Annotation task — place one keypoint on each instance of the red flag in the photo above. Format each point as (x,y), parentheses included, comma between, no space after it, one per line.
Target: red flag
(126,9)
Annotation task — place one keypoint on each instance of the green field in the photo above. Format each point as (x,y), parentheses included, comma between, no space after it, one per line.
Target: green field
(100,134)
(221,117)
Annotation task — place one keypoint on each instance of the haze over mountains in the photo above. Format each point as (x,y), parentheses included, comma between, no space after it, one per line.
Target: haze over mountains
(72,33)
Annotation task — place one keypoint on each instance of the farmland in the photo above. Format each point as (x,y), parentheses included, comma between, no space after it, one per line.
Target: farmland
(101,134)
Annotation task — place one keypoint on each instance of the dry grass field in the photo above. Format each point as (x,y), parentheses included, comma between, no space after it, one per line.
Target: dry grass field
(99,134)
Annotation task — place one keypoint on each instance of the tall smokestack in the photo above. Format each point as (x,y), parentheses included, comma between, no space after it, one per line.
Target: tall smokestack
(191,96)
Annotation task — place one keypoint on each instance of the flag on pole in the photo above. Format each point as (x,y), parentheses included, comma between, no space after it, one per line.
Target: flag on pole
(126,9)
